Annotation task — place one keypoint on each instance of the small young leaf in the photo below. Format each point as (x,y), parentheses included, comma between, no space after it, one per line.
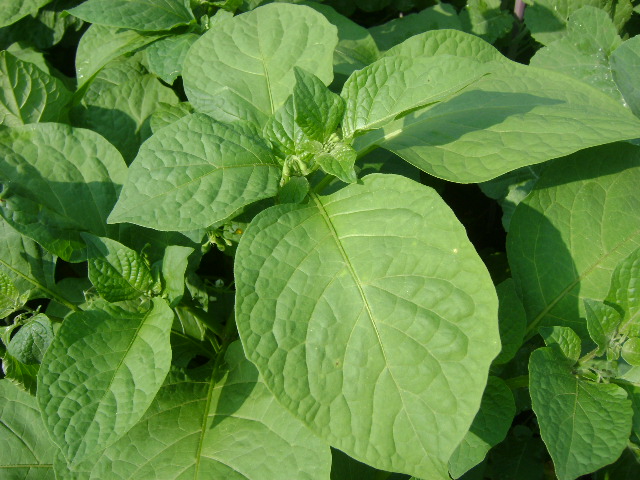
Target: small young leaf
(21,375)
(9,295)
(30,343)
(166,55)
(585,425)
(565,338)
(486,19)
(101,373)
(339,161)
(141,15)
(174,266)
(602,323)
(294,191)
(117,272)
(625,292)
(631,351)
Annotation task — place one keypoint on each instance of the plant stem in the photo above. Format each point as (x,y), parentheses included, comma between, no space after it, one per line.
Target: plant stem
(322,184)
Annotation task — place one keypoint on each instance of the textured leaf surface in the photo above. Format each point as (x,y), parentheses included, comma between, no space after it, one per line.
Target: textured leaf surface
(118,105)
(166,56)
(117,272)
(26,453)
(585,425)
(141,15)
(602,323)
(583,52)
(376,333)
(208,428)
(101,373)
(30,267)
(565,339)
(194,173)
(30,343)
(243,68)
(14,10)
(486,19)
(625,67)
(489,427)
(625,292)
(547,19)
(514,117)
(513,321)
(167,114)
(29,95)
(9,295)
(384,90)
(568,235)
(63,181)
(100,44)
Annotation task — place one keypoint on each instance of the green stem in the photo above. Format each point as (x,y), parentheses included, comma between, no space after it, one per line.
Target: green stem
(589,356)
(322,184)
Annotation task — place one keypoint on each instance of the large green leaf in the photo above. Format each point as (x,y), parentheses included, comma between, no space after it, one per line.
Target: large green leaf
(585,425)
(584,51)
(29,95)
(141,15)
(27,452)
(625,293)
(14,10)
(373,329)
(625,67)
(391,86)
(547,19)
(213,425)
(99,45)
(30,267)
(567,236)
(196,172)
(101,373)
(166,56)
(514,117)
(243,68)
(62,181)
(489,427)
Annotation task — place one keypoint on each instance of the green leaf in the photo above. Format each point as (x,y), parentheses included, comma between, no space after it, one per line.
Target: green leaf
(489,427)
(9,295)
(28,265)
(294,191)
(339,161)
(547,19)
(585,425)
(207,426)
(343,467)
(394,325)
(565,339)
(166,114)
(174,266)
(21,375)
(29,95)
(568,235)
(438,17)
(392,86)
(14,10)
(117,272)
(514,117)
(243,68)
(141,15)
(486,19)
(602,323)
(631,351)
(62,181)
(92,391)
(625,68)
(318,111)
(624,292)
(356,48)
(513,321)
(166,55)
(216,169)
(521,456)
(584,51)
(118,104)
(99,45)
(29,345)
(27,452)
